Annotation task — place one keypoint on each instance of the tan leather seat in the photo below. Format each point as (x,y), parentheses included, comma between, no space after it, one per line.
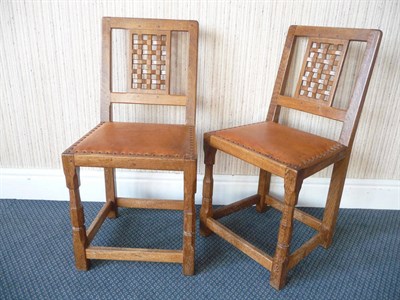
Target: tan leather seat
(281,144)
(138,139)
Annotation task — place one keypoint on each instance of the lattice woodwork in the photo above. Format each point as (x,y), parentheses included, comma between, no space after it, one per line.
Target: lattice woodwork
(149,56)
(321,70)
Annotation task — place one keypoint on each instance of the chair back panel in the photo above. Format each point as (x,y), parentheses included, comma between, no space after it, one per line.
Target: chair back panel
(149,64)
(319,75)
(149,61)
(321,68)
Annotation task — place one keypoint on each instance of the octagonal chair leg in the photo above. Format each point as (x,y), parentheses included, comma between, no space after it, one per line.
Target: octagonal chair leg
(279,266)
(76,211)
(208,184)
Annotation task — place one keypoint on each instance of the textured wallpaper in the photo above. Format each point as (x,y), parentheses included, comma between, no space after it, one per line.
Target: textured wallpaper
(50,74)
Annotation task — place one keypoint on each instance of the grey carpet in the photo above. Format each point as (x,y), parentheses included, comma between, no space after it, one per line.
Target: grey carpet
(36,260)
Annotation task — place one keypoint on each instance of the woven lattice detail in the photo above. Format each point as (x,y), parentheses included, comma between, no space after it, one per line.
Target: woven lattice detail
(320,70)
(149,62)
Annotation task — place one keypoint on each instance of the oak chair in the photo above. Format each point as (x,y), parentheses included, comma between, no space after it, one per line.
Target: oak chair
(290,153)
(131,145)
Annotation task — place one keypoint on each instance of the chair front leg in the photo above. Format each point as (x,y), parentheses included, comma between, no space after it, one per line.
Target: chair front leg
(206,210)
(189,218)
(76,212)
(333,201)
(263,190)
(109,176)
(279,270)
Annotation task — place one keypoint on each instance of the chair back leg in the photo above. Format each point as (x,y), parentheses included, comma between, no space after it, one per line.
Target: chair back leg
(189,218)
(263,190)
(333,201)
(109,177)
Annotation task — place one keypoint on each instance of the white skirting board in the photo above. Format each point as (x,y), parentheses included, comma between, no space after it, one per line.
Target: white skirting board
(43,184)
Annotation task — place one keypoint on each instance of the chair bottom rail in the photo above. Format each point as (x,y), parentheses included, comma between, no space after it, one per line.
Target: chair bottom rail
(150,203)
(235,206)
(304,250)
(97,222)
(252,251)
(255,253)
(134,254)
(298,215)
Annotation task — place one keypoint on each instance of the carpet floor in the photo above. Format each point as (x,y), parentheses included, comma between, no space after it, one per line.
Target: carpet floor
(36,260)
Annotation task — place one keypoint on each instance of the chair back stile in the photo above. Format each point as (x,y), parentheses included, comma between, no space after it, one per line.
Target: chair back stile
(320,73)
(149,65)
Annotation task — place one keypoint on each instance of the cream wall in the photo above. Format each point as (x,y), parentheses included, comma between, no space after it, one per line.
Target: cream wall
(50,67)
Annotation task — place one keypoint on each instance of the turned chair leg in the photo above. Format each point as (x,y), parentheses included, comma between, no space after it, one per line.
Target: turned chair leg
(109,176)
(279,270)
(189,218)
(76,211)
(263,190)
(333,201)
(206,210)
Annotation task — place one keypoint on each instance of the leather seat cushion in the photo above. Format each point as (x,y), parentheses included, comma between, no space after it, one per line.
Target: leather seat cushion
(138,139)
(291,147)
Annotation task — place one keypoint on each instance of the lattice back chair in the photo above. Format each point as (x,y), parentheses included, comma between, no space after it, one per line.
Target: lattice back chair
(291,153)
(131,145)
